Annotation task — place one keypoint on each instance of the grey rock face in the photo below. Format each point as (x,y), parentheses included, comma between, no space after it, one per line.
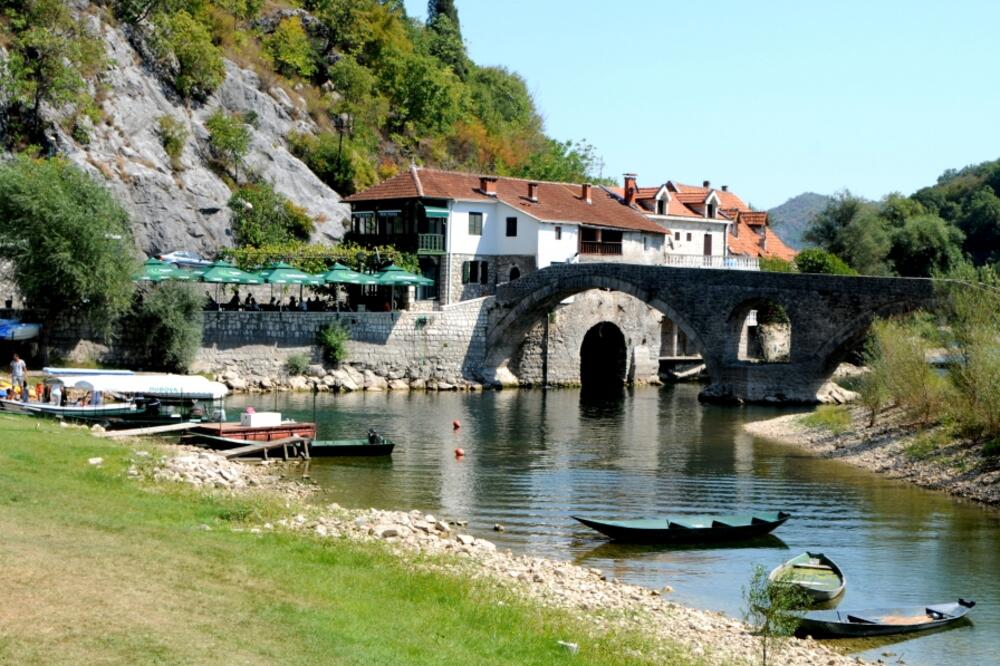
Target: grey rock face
(186,209)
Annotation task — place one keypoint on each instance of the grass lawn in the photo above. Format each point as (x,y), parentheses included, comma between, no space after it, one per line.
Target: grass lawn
(100,569)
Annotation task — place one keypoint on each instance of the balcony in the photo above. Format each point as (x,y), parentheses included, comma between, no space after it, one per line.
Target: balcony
(430,243)
(711,261)
(600,248)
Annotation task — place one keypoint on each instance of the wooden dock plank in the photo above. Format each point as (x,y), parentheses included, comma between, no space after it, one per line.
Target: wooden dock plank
(152,430)
(265,447)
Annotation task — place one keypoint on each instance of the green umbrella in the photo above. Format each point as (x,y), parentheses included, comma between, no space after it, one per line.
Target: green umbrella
(155,270)
(281,273)
(394,276)
(341,274)
(223,272)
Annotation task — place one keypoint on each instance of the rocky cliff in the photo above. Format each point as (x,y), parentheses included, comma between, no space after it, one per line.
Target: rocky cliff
(185,208)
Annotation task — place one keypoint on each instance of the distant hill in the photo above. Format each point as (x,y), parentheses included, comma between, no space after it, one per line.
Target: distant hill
(791,218)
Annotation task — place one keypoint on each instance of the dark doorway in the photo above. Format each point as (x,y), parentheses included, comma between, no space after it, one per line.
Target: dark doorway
(515,273)
(603,358)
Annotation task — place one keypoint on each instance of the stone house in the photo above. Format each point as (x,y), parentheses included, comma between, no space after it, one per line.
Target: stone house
(472,232)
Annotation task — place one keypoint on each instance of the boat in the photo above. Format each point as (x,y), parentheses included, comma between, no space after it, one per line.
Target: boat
(127,400)
(689,529)
(814,573)
(15,331)
(882,621)
(350,447)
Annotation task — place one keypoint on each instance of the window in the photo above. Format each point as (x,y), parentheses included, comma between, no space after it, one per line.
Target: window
(475,224)
(475,271)
(677,235)
(689,236)
(661,206)
(558,233)
(511,227)
(711,210)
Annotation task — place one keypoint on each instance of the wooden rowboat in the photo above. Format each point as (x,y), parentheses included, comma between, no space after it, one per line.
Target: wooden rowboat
(882,621)
(689,529)
(814,573)
(350,447)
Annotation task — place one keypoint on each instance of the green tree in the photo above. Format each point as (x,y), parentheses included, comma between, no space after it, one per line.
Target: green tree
(199,67)
(68,240)
(446,8)
(444,42)
(263,217)
(50,58)
(896,209)
(567,162)
(290,48)
(228,139)
(327,157)
(164,327)
(926,245)
(980,220)
(816,260)
(426,97)
(500,99)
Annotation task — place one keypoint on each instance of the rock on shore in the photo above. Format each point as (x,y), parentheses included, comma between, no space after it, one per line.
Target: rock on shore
(607,604)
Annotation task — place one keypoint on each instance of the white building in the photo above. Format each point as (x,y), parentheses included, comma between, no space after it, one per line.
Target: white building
(472,232)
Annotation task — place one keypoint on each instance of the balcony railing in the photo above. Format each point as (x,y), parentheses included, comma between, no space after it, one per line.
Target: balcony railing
(711,261)
(430,243)
(600,247)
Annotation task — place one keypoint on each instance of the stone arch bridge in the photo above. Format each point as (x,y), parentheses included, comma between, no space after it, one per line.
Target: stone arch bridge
(828,315)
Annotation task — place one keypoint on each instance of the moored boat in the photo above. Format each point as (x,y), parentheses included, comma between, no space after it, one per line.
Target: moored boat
(882,621)
(813,573)
(689,529)
(350,447)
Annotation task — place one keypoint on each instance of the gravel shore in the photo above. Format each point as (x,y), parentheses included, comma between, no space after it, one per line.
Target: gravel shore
(434,543)
(898,449)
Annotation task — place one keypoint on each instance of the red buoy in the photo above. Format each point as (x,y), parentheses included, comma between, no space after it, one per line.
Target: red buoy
(456,424)
(459,452)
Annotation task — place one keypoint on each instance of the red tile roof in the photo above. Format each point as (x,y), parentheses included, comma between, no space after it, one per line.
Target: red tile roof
(557,202)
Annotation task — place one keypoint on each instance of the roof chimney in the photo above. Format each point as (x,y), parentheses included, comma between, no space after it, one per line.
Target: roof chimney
(585,192)
(630,188)
(533,192)
(725,188)
(488,185)
(706,184)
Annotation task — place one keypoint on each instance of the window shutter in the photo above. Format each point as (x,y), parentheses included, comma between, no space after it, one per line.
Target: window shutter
(484,273)
(466,270)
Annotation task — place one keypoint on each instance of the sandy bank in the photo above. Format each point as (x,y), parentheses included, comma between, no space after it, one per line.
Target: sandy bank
(900,450)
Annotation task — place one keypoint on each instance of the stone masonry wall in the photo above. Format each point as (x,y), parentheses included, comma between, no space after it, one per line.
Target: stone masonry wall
(442,346)
(498,271)
(569,323)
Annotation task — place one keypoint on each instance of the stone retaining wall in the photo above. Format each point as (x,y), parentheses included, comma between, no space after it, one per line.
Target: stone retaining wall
(442,346)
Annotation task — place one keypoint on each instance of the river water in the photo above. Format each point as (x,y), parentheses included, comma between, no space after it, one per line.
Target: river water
(534,458)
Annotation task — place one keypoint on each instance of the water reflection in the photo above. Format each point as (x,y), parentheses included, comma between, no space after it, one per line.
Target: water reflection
(534,458)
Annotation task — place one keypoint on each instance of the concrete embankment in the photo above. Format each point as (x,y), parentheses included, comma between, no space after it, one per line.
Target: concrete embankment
(897,448)
(433,543)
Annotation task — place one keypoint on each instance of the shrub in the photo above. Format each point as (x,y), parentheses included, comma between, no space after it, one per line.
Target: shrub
(164,327)
(228,139)
(333,339)
(328,158)
(770,611)
(835,418)
(200,69)
(926,444)
(815,260)
(173,133)
(262,217)
(290,48)
(775,265)
(899,357)
(296,364)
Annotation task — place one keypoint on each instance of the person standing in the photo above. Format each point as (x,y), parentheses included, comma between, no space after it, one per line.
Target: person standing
(18,376)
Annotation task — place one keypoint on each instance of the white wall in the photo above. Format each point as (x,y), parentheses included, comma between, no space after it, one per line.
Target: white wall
(551,250)
(494,240)
(697,230)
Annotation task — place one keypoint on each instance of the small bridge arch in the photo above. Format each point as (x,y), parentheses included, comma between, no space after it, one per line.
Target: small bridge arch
(825,313)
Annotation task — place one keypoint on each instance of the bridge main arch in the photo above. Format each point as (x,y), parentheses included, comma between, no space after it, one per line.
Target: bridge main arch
(825,313)
(512,325)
